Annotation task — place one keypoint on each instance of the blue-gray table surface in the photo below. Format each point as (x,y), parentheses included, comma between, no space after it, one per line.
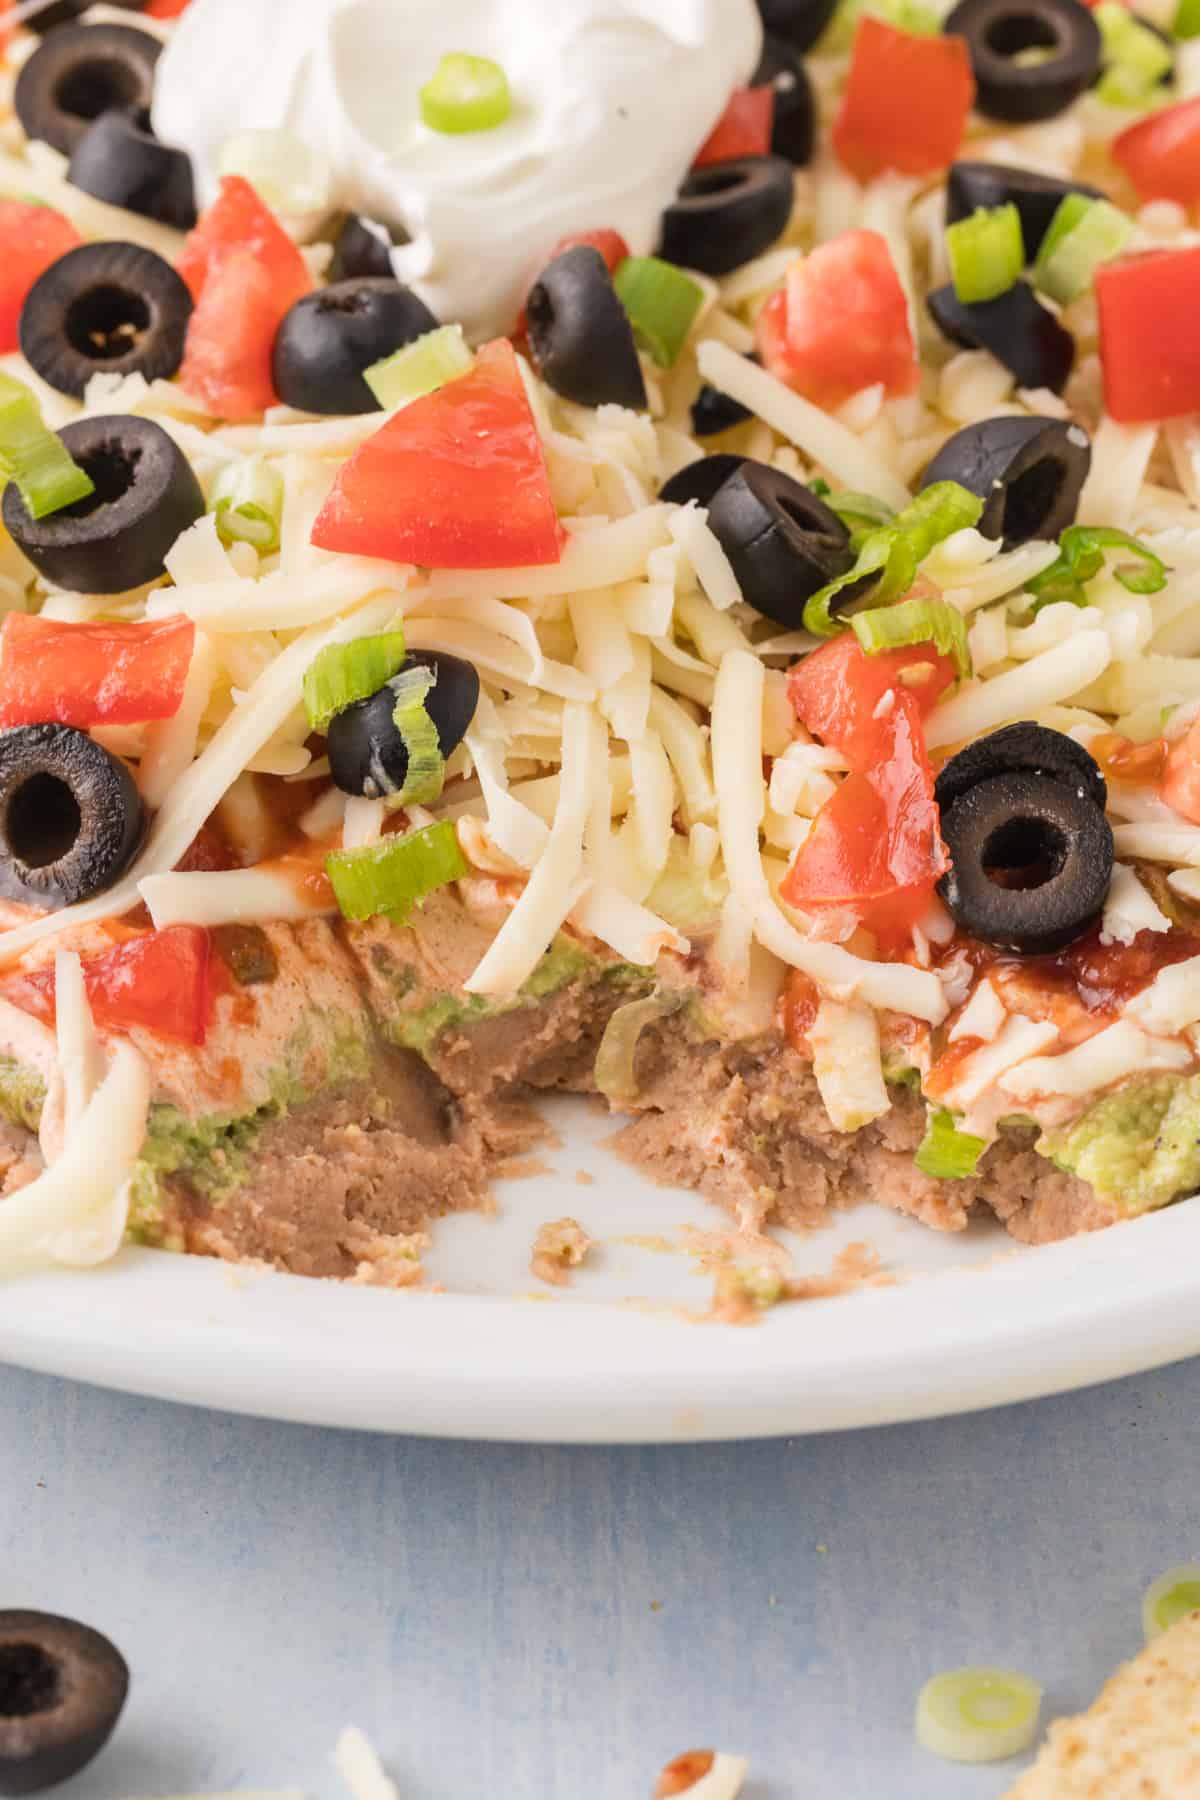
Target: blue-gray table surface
(544,1624)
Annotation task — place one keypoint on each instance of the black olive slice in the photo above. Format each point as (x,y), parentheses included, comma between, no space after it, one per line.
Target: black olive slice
(1024,748)
(700,480)
(114,309)
(1029,474)
(728,213)
(783,543)
(794,131)
(362,250)
(999,31)
(81,71)
(1018,330)
(713,411)
(801,22)
(70,821)
(1037,198)
(65,12)
(364,740)
(1031,862)
(116,161)
(580,334)
(328,338)
(117,539)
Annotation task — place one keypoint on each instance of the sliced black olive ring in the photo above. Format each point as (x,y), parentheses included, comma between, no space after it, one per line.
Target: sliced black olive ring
(364,740)
(794,132)
(1029,473)
(328,338)
(70,817)
(999,32)
(105,308)
(580,334)
(146,495)
(1032,860)
(782,542)
(713,412)
(701,479)
(78,73)
(1037,198)
(363,249)
(116,161)
(801,22)
(1023,748)
(1019,331)
(728,213)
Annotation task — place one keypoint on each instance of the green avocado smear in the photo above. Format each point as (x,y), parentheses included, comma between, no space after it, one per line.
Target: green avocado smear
(1138,1148)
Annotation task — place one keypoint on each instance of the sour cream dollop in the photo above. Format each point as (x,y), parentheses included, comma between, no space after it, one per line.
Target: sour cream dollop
(611,101)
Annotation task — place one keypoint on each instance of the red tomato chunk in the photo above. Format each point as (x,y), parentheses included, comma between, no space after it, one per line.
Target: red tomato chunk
(842,324)
(905,104)
(31,238)
(1161,154)
(1149,344)
(84,675)
(161,982)
(744,128)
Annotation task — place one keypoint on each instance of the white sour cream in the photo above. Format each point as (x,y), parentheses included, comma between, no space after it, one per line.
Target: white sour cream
(611,101)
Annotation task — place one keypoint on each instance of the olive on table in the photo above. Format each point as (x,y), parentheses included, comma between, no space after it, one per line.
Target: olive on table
(113,309)
(117,161)
(1029,473)
(368,754)
(727,213)
(974,185)
(782,542)
(580,334)
(1019,331)
(71,819)
(79,72)
(328,338)
(1020,89)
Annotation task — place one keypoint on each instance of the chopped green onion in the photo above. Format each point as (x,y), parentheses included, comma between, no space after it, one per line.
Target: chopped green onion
(466,93)
(614,1071)
(978,1715)
(426,773)
(945,1152)
(662,303)
(1171,1598)
(1072,252)
(345,673)
(247,502)
(35,457)
(915,622)
(394,875)
(288,174)
(1135,58)
(1081,551)
(420,368)
(860,513)
(894,552)
(987,252)
(1187,20)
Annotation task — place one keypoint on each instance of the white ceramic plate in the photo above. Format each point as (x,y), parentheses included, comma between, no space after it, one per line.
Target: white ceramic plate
(973,1322)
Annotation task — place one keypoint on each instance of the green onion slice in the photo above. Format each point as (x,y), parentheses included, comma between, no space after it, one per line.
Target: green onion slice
(978,1715)
(945,1152)
(662,303)
(466,93)
(426,765)
(614,1068)
(987,252)
(915,622)
(894,552)
(394,875)
(1135,58)
(345,673)
(1081,551)
(288,174)
(860,513)
(1171,1598)
(420,368)
(36,458)
(1071,254)
(1186,23)
(247,503)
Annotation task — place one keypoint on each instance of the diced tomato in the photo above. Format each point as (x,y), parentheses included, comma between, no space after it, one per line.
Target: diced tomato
(31,238)
(171,9)
(842,324)
(875,847)
(905,104)
(1161,154)
(744,128)
(161,982)
(1149,345)
(101,674)
(610,244)
(244,272)
(1181,777)
(457,480)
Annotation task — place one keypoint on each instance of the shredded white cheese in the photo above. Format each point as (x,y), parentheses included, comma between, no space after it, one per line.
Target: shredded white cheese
(847,1064)
(982,1016)
(690,529)
(1112,1055)
(1129,909)
(1172,1000)
(1018,1039)
(1020,693)
(359,1766)
(596,558)
(634,932)
(227,897)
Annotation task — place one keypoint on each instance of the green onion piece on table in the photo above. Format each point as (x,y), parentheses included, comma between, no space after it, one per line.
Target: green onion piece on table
(978,1715)
(945,1152)
(420,368)
(1135,58)
(1171,1598)
(343,674)
(1069,258)
(1081,552)
(35,457)
(426,772)
(987,252)
(466,93)
(662,303)
(396,874)
(894,552)
(247,504)
(915,622)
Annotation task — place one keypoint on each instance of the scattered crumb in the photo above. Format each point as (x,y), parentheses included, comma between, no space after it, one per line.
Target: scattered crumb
(742,1294)
(660,1245)
(656,1606)
(710,1773)
(857,1266)
(386,1262)
(822,1549)
(584,1178)
(560,1245)
(524,1168)
(772,1599)
(714,1248)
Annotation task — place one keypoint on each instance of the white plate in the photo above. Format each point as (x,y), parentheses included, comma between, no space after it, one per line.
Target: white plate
(973,1323)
